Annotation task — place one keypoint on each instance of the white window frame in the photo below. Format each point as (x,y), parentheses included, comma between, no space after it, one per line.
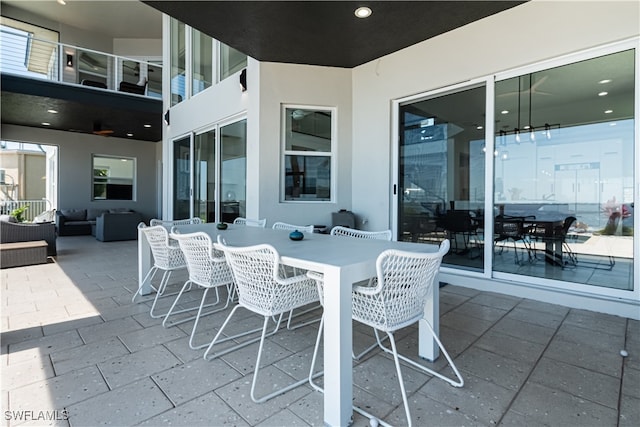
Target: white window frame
(331,154)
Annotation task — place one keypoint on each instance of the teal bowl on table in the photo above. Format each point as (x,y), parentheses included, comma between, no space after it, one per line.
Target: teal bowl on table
(296,235)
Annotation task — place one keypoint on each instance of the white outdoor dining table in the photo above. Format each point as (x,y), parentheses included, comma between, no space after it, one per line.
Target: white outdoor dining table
(343,261)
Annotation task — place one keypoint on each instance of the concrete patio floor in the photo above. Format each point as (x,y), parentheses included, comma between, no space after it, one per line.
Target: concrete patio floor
(76,351)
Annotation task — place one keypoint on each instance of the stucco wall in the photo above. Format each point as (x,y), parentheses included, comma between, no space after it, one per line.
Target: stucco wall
(309,86)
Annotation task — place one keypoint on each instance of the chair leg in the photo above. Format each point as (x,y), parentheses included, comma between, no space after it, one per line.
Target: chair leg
(149,276)
(301,324)
(160,292)
(166,323)
(200,314)
(396,359)
(216,339)
(257,369)
(314,357)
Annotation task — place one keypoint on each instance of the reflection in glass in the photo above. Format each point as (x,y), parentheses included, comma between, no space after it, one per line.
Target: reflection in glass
(177,62)
(113,178)
(441,174)
(307,149)
(233,189)
(181,178)
(202,61)
(204,176)
(565,148)
(231,61)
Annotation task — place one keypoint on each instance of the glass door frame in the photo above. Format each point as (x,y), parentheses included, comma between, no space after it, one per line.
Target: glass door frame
(518,280)
(488,83)
(218,165)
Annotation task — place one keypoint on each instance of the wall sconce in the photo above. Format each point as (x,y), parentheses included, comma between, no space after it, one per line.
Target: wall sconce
(166,117)
(243,80)
(69,60)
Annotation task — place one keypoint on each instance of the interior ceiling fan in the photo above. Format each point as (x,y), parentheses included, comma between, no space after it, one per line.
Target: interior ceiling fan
(97,129)
(532,90)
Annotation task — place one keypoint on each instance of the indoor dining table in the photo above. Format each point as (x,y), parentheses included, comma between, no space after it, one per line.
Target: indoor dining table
(343,261)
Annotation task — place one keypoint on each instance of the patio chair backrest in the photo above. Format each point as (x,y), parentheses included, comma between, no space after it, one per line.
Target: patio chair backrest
(206,265)
(165,255)
(171,223)
(403,283)
(260,287)
(250,222)
(339,230)
(292,227)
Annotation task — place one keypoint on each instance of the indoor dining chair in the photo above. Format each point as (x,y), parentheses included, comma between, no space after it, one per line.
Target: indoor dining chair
(394,300)
(250,222)
(167,256)
(262,290)
(208,269)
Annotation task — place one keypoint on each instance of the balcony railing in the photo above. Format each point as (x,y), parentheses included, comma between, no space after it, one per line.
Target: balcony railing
(33,207)
(23,54)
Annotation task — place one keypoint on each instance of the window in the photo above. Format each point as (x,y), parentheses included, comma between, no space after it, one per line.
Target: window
(202,61)
(564,149)
(231,61)
(308,142)
(113,178)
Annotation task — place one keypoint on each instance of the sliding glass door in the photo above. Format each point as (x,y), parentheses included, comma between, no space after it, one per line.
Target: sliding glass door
(558,169)
(564,172)
(442,173)
(210,174)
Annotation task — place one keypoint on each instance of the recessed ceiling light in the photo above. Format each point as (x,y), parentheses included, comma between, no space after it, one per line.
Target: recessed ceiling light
(52,111)
(608,111)
(504,112)
(479,127)
(46,124)
(147,125)
(604,81)
(363,12)
(603,94)
(129,134)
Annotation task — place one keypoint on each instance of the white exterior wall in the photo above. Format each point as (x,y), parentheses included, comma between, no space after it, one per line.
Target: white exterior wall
(527,34)
(309,86)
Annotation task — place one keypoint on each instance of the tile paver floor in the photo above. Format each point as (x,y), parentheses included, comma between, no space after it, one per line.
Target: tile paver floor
(76,351)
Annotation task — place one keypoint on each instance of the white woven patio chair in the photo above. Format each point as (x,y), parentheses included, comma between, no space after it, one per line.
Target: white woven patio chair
(250,222)
(296,271)
(208,269)
(171,223)
(395,300)
(339,230)
(262,290)
(167,257)
(292,227)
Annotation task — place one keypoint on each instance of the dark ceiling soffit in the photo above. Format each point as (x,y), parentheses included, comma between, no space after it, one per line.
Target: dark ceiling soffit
(76,93)
(326,32)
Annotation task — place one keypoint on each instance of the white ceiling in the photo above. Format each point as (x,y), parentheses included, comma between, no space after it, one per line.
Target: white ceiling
(113,18)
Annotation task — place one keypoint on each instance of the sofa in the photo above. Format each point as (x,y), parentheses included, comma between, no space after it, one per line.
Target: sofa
(12,231)
(114,226)
(105,224)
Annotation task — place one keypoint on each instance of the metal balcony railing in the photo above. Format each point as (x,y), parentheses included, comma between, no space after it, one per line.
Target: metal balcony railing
(33,207)
(23,54)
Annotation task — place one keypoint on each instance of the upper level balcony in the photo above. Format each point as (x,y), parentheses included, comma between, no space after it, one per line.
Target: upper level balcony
(90,91)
